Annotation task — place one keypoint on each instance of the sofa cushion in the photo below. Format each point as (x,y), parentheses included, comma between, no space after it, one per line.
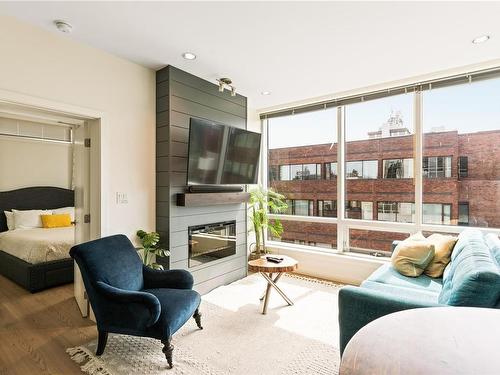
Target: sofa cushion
(443,247)
(473,278)
(412,255)
(399,292)
(493,243)
(386,274)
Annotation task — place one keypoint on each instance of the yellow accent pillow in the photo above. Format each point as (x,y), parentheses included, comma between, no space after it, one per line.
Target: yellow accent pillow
(56,221)
(443,246)
(411,256)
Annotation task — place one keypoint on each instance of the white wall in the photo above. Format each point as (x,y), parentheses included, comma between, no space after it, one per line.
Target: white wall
(52,66)
(25,163)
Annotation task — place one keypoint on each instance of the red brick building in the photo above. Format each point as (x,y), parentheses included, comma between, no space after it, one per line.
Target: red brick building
(461,184)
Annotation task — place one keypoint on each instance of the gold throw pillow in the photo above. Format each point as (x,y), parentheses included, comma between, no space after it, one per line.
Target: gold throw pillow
(443,247)
(412,256)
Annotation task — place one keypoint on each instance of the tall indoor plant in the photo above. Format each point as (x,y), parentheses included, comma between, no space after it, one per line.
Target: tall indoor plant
(263,202)
(150,249)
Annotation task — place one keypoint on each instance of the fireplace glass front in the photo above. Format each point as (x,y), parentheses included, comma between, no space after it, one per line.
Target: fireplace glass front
(210,242)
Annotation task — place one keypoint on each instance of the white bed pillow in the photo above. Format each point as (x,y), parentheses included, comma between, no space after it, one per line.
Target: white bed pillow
(10,220)
(29,219)
(65,210)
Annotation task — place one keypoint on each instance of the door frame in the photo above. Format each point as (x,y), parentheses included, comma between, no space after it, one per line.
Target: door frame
(98,132)
(97,121)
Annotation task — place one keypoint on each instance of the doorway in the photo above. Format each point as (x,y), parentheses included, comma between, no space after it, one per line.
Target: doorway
(85,131)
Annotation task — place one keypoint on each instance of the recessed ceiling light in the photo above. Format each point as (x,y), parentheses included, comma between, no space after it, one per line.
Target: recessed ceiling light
(265,93)
(63,26)
(481,39)
(189,55)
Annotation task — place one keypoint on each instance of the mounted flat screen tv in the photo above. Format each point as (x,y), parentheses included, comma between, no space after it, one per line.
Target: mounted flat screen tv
(221,155)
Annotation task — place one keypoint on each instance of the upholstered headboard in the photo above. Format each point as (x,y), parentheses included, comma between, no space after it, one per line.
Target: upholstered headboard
(34,198)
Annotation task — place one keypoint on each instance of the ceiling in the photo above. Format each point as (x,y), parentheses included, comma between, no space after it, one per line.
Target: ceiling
(296,50)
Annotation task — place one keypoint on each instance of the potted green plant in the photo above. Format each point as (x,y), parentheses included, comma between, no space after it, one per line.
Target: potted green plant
(261,203)
(150,249)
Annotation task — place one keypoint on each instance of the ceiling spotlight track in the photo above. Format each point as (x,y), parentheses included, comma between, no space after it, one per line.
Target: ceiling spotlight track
(226,83)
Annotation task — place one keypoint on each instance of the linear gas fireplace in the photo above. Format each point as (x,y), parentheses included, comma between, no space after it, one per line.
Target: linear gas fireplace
(210,242)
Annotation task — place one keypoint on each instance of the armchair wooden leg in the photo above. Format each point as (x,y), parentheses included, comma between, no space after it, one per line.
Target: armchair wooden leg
(101,343)
(197,318)
(168,349)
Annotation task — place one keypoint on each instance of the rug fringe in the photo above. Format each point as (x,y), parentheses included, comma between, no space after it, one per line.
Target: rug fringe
(313,279)
(93,366)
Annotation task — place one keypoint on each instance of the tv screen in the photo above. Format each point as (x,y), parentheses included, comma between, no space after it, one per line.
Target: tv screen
(221,155)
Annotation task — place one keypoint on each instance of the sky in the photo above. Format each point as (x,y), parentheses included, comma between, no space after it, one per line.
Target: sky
(467,108)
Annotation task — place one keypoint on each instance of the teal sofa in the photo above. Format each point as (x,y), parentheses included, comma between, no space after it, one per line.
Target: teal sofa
(472,278)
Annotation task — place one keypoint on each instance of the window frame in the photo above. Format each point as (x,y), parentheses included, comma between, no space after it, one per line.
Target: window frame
(461,171)
(402,168)
(447,162)
(362,176)
(463,223)
(344,224)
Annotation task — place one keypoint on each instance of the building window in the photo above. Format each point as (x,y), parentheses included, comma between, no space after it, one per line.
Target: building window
(463,213)
(367,210)
(300,207)
(330,170)
(300,172)
(463,166)
(398,168)
(296,172)
(311,172)
(327,208)
(284,173)
(274,173)
(437,213)
(362,169)
(401,212)
(436,166)
(353,209)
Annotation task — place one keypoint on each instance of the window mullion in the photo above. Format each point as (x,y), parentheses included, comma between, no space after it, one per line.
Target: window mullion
(342,237)
(418,170)
(264,154)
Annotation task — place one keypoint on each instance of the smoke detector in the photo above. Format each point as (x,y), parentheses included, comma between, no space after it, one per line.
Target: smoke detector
(63,26)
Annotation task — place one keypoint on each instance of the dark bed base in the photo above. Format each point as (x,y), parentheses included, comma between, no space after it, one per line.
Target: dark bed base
(36,277)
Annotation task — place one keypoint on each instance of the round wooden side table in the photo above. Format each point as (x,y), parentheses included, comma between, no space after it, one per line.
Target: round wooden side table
(435,340)
(267,269)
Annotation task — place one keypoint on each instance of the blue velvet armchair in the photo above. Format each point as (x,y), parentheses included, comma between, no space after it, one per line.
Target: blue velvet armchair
(132,299)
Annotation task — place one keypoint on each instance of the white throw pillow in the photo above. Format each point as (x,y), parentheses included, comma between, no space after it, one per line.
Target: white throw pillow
(65,210)
(29,219)
(10,220)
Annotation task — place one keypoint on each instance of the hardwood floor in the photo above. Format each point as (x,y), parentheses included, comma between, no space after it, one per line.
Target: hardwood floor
(36,329)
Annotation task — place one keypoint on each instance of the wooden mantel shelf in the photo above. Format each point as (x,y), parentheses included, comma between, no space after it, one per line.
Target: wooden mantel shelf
(210,199)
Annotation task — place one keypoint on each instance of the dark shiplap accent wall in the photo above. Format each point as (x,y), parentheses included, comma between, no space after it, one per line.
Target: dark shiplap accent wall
(180,96)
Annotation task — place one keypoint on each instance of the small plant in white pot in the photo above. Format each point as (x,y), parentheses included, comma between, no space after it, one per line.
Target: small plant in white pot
(150,249)
(263,202)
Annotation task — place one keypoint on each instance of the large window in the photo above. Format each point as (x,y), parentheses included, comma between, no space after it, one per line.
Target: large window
(462,124)
(362,169)
(299,172)
(303,147)
(300,207)
(426,160)
(330,170)
(398,168)
(463,213)
(436,166)
(327,208)
(437,213)
(402,212)
(463,166)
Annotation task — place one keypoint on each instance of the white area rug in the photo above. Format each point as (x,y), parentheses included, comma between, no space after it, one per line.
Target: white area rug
(237,338)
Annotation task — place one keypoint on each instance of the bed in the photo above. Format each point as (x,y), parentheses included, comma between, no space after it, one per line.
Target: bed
(36,258)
